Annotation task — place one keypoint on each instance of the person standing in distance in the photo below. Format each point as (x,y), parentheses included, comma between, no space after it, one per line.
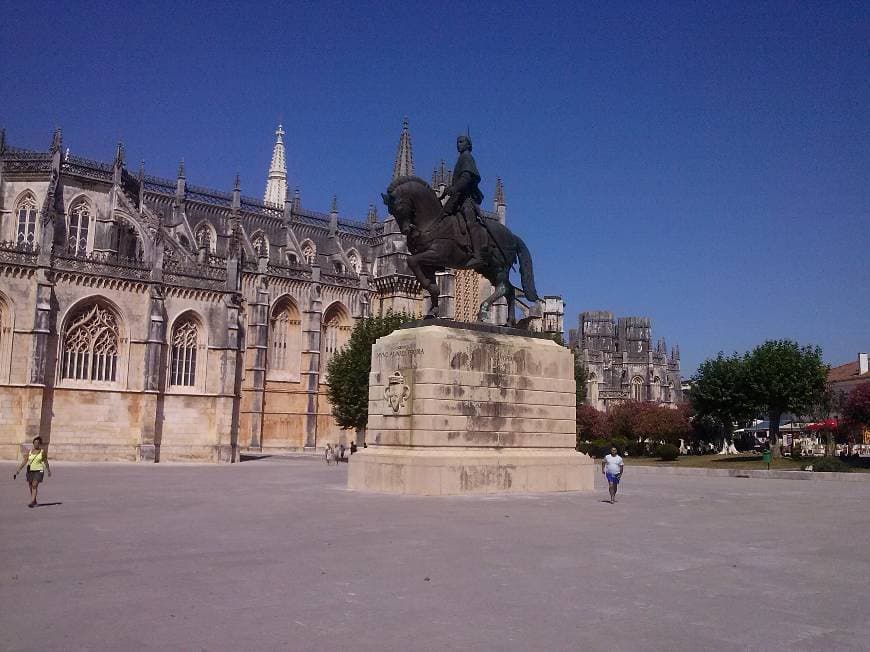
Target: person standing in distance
(612,467)
(37,464)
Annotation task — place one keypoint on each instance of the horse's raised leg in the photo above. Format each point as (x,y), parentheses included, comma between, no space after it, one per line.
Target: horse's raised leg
(425,274)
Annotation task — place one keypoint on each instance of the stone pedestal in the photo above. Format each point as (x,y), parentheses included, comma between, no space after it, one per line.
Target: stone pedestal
(459,408)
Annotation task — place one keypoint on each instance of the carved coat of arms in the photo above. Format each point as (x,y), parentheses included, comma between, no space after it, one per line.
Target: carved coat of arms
(396,392)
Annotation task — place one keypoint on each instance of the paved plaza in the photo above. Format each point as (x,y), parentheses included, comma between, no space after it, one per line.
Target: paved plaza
(278,554)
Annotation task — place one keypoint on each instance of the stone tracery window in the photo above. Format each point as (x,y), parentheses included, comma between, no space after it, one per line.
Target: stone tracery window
(204,237)
(79,225)
(334,334)
(26,213)
(90,346)
(353,259)
(260,244)
(285,338)
(309,252)
(637,388)
(183,354)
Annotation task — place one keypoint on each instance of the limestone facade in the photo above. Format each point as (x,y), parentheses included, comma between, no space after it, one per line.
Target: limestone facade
(143,318)
(622,363)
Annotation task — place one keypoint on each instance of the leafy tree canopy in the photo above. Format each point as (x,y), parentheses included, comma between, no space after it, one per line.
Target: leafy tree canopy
(719,391)
(782,376)
(348,370)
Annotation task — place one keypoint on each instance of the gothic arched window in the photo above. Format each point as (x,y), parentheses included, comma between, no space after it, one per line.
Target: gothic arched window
(260,244)
(637,388)
(182,366)
(79,225)
(204,237)
(334,334)
(26,212)
(308,252)
(285,338)
(353,259)
(90,345)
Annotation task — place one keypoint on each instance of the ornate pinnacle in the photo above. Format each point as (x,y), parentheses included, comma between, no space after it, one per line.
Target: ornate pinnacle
(181,169)
(334,207)
(499,192)
(238,185)
(56,141)
(276,182)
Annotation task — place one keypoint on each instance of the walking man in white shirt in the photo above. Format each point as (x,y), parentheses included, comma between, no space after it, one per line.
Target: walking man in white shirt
(612,468)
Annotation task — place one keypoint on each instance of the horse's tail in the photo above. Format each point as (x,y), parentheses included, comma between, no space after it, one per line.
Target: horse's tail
(527,274)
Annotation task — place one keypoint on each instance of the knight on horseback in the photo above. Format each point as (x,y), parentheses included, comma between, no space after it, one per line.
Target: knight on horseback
(464,201)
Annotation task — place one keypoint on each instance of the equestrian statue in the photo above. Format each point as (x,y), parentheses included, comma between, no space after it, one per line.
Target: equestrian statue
(457,235)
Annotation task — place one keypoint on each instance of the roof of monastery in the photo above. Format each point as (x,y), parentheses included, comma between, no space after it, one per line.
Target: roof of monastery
(161,190)
(154,185)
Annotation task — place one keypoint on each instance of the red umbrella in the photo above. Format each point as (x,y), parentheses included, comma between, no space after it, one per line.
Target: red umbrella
(827,424)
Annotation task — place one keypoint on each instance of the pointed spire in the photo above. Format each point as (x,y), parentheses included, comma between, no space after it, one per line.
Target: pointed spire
(119,155)
(404,163)
(181,169)
(499,192)
(56,141)
(276,185)
(141,170)
(297,200)
(2,140)
(372,215)
(334,207)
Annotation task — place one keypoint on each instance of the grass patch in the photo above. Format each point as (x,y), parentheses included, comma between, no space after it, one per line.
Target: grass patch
(739,461)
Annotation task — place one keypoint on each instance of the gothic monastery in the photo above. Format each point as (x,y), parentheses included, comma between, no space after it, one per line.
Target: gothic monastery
(150,319)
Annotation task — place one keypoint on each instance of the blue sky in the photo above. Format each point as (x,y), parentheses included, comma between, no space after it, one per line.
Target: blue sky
(704,164)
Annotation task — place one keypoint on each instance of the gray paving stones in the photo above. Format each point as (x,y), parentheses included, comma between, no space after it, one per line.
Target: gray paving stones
(277,554)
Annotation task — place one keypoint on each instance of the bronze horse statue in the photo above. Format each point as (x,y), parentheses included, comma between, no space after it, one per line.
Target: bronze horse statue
(435,242)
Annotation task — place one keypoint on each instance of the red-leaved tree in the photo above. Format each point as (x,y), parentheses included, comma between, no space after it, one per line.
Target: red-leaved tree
(857,407)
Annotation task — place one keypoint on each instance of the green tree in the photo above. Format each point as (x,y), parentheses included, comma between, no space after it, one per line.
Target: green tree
(348,370)
(782,376)
(719,392)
